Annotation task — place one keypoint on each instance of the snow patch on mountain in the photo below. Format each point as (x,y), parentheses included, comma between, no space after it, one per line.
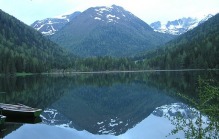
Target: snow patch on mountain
(110,126)
(175,109)
(52,116)
(179,26)
(97,18)
(50,26)
(111,14)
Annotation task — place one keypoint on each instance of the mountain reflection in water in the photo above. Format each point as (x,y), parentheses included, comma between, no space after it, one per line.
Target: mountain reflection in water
(136,105)
(150,127)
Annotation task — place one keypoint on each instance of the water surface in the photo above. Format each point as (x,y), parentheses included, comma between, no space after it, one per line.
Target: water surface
(96,106)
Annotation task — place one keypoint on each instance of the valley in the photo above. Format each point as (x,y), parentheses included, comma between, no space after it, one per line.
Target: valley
(111,70)
(111,39)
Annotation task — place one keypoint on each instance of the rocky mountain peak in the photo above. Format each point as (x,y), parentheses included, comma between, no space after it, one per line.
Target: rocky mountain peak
(179,26)
(50,26)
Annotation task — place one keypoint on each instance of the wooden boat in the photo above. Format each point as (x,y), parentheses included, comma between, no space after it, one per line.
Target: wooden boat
(23,120)
(19,110)
(2,119)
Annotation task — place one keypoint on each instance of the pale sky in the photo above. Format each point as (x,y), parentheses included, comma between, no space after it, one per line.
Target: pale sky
(150,11)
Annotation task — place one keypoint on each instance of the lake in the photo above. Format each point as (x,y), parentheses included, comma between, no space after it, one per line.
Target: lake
(105,106)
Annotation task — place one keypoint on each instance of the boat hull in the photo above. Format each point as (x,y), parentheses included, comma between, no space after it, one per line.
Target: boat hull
(10,110)
(2,119)
(22,120)
(11,113)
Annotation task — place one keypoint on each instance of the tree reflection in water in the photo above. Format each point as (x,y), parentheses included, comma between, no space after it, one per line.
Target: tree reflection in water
(202,122)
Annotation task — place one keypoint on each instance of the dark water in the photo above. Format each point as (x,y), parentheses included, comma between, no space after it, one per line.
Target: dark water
(101,106)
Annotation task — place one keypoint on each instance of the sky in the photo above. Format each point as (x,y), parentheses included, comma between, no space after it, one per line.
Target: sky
(149,11)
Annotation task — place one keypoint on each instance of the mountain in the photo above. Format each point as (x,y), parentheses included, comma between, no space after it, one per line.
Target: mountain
(108,31)
(195,49)
(179,26)
(50,26)
(23,49)
(105,109)
(174,109)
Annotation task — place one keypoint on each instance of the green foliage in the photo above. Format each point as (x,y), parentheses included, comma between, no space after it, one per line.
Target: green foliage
(197,48)
(22,49)
(207,106)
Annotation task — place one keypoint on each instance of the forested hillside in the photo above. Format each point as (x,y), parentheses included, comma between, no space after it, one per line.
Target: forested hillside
(22,49)
(198,48)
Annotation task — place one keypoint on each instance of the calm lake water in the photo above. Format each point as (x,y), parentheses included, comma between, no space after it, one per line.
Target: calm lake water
(103,106)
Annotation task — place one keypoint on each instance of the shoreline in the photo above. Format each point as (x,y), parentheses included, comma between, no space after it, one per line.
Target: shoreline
(107,72)
(128,71)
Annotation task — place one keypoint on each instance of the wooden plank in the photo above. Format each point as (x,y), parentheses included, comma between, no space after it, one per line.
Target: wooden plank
(17,108)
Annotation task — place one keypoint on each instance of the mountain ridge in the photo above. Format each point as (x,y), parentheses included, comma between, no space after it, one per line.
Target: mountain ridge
(50,26)
(179,26)
(108,31)
(195,49)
